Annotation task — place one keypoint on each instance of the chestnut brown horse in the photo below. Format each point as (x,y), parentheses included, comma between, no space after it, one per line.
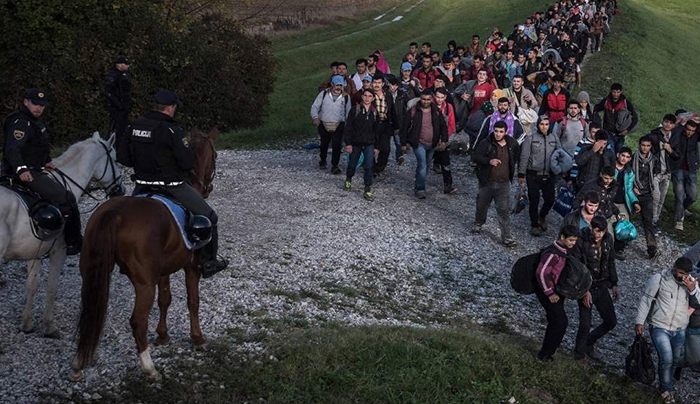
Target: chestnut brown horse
(141,236)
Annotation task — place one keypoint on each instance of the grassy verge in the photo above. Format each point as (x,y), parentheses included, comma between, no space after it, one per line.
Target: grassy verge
(386,365)
(303,59)
(652,52)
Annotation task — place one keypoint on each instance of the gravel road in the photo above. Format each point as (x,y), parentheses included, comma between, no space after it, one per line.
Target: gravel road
(309,253)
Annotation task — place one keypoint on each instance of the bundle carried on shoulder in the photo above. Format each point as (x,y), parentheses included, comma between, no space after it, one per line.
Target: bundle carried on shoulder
(575,279)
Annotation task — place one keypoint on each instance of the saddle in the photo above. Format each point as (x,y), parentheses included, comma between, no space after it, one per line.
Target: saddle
(196,230)
(46,219)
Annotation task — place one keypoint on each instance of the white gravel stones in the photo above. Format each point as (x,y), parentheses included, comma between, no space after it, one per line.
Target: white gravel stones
(308,253)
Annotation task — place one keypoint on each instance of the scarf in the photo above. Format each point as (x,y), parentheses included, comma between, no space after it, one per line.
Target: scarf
(637,161)
(510,120)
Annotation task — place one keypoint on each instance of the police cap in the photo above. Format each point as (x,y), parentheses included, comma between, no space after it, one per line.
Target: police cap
(167,97)
(37,96)
(121,59)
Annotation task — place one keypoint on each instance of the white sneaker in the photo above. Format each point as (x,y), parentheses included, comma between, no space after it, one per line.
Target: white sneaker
(679,226)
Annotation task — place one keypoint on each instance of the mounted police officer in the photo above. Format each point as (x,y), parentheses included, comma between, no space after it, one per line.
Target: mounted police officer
(118,89)
(155,146)
(26,153)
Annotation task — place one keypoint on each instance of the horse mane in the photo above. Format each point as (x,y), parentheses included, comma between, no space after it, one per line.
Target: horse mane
(73,151)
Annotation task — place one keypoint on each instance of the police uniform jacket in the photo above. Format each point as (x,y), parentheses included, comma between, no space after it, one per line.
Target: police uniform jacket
(118,89)
(26,145)
(157,149)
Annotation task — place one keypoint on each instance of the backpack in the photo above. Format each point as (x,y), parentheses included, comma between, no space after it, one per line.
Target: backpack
(575,279)
(639,363)
(523,274)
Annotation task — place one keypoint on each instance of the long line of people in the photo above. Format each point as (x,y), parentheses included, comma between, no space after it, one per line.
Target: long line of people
(509,103)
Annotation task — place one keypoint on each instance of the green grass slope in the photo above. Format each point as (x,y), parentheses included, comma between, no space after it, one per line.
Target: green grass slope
(386,366)
(653,53)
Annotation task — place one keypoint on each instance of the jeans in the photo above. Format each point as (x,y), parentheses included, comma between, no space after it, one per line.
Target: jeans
(646,202)
(685,188)
(336,138)
(669,346)
(397,146)
(661,183)
(368,153)
(500,192)
(596,41)
(536,184)
(424,154)
(604,304)
(556,325)
(618,142)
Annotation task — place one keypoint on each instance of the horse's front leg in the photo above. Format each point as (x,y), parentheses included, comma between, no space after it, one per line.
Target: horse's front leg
(33,268)
(164,299)
(192,276)
(145,294)
(56,261)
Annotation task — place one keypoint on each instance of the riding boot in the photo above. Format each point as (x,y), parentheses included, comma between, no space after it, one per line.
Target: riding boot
(71,231)
(211,263)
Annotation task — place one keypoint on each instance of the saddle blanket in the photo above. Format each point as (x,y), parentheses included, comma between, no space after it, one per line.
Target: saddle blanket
(178,212)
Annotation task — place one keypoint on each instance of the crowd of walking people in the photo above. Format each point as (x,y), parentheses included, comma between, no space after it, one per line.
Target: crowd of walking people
(509,102)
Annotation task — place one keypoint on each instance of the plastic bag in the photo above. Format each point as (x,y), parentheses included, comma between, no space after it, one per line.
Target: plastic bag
(521,201)
(564,200)
(639,363)
(625,231)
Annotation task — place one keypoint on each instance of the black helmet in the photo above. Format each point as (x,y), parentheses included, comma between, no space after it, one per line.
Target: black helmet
(48,222)
(199,231)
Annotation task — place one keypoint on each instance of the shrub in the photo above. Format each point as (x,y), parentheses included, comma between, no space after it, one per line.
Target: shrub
(223,75)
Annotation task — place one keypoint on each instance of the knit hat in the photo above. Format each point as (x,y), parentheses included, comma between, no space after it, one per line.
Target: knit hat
(500,93)
(583,96)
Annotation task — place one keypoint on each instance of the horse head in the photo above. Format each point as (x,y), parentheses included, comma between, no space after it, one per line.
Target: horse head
(202,175)
(106,171)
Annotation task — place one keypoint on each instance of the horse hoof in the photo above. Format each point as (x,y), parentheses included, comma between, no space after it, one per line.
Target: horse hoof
(204,346)
(75,375)
(53,334)
(154,376)
(162,340)
(27,329)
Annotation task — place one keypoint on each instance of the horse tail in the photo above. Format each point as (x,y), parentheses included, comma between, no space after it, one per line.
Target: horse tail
(97,260)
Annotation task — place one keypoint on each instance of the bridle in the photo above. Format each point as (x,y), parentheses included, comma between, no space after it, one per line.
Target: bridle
(115,188)
(206,184)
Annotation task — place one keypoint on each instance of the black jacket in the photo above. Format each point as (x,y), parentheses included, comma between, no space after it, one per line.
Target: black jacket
(118,90)
(602,269)
(486,151)
(26,143)
(590,163)
(687,148)
(658,137)
(607,105)
(392,122)
(157,149)
(361,127)
(413,120)
(606,207)
(574,217)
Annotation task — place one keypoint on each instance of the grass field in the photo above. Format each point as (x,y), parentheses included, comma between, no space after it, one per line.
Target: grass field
(653,53)
(387,366)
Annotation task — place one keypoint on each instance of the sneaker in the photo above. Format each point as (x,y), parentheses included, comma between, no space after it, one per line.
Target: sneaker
(348,185)
(543,223)
(592,353)
(450,190)
(369,196)
(335,170)
(509,242)
(400,160)
(679,226)
(476,229)
(437,168)
(668,397)
(657,230)
(687,213)
(322,165)
(420,194)
(536,231)
(619,256)
(653,252)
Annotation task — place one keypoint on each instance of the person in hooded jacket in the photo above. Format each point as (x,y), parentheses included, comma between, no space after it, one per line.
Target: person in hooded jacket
(361,137)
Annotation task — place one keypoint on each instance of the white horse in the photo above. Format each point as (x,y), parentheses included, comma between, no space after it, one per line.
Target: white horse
(91,159)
